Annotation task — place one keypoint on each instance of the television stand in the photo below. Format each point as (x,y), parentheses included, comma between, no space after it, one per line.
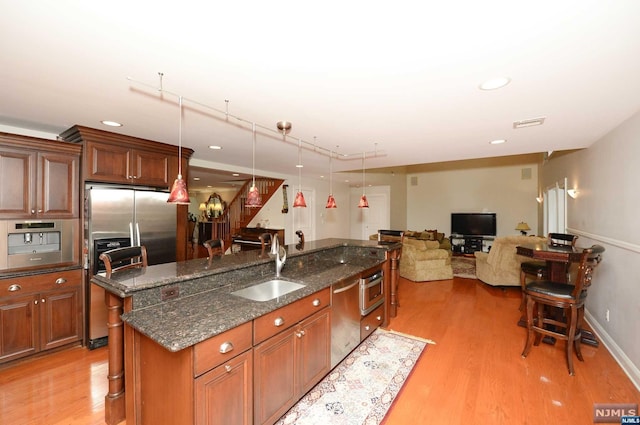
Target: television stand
(461,244)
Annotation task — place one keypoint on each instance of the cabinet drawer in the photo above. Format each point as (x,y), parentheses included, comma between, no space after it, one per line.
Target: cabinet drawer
(371,321)
(220,348)
(278,320)
(40,282)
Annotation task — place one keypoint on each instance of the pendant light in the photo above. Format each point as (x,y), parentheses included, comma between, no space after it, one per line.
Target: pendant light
(363,199)
(179,194)
(299,202)
(331,201)
(254,199)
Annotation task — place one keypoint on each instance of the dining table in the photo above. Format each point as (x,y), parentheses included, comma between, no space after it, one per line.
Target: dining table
(558,259)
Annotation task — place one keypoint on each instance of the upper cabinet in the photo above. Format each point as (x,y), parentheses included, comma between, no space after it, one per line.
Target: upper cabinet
(39,178)
(115,158)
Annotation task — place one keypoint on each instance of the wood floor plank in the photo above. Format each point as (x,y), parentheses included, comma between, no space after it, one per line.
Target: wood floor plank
(474,373)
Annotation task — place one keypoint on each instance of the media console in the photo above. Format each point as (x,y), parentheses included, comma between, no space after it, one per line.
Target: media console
(461,244)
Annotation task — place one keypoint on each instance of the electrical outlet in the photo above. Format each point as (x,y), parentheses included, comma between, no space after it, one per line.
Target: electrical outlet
(606,315)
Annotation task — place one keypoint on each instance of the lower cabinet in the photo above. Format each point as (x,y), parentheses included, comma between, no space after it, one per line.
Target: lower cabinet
(289,364)
(224,395)
(39,312)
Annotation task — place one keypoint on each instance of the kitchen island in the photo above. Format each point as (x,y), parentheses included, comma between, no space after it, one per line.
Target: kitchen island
(174,310)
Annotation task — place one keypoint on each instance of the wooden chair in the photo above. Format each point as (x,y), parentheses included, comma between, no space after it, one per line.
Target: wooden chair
(538,269)
(265,242)
(214,247)
(570,298)
(124,258)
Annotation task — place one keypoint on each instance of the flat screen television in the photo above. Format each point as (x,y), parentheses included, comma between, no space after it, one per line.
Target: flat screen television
(473,224)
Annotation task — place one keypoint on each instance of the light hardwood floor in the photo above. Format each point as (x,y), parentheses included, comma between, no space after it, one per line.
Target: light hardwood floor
(474,373)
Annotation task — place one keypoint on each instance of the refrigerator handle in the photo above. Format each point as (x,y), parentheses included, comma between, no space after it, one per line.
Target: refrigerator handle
(131,234)
(138,233)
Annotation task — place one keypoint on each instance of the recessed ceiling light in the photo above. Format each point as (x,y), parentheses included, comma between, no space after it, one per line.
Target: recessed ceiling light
(235,175)
(111,123)
(215,147)
(495,83)
(498,141)
(196,178)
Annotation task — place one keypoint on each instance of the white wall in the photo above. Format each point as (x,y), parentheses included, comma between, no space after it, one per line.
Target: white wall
(500,189)
(606,176)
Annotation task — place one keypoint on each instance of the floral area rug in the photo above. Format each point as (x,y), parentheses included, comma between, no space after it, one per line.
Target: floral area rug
(361,389)
(464,266)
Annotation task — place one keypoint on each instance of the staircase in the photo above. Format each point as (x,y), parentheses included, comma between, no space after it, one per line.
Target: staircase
(237,215)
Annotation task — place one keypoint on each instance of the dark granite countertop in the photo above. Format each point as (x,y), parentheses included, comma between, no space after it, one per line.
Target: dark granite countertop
(208,308)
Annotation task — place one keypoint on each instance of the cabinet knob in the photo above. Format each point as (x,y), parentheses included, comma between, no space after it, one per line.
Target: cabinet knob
(43,300)
(226,347)
(35,302)
(316,302)
(366,328)
(300,334)
(15,287)
(61,280)
(228,368)
(279,321)
(378,318)
(39,211)
(33,211)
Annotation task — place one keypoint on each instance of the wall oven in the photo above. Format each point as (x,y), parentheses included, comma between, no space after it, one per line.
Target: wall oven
(371,292)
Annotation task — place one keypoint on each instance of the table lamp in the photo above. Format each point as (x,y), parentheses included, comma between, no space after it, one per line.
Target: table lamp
(523,227)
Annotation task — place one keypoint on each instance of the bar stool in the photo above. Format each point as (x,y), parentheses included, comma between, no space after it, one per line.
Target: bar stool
(570,298)
(538,269)
(214,247)
(124,258)
(265,241)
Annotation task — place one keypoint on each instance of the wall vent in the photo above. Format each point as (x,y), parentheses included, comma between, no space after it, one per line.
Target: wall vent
(414,180)
(525,174)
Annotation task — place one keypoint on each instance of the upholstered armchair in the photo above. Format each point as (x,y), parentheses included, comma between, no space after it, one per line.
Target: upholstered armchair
(501,265)
(423,260)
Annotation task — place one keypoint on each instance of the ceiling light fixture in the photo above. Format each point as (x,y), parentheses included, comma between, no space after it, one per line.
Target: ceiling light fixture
(495,83)
(363,199)
(299,202)
(111,123)
(532,122)
(498,141)
(179,194)
(284,127)
(331,201)
(254,199)
(215,147)
(573,193)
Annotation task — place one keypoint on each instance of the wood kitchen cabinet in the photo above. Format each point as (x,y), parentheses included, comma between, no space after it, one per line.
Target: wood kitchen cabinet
(291,362)
(38,178)
(39,312)
(208,383)
(117,158)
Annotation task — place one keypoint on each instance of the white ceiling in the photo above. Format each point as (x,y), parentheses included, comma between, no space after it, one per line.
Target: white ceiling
(400,78)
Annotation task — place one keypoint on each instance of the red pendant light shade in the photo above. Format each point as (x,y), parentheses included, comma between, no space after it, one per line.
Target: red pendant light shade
(299,201)
(331,202)
(363,202)
(179,193)
(254,199)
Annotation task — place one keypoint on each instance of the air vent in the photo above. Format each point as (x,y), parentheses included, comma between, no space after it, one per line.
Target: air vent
(528,123)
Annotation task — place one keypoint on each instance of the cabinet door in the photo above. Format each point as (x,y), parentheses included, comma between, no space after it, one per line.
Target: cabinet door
(60,317)
(314,353)
(150,168)
(18,327)
(108,163)
(58,185)
(224,395)
(17,188)
(274,382)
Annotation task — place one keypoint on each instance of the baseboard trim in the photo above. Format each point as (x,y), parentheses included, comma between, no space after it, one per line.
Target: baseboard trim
(621,358)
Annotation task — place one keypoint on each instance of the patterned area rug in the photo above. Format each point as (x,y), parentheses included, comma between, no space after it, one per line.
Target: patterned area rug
(361,389)
(464,266)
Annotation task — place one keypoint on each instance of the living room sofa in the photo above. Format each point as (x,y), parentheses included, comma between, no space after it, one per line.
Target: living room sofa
(501,265)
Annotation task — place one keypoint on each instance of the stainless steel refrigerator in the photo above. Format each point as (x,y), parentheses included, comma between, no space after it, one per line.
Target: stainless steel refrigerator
(118,217)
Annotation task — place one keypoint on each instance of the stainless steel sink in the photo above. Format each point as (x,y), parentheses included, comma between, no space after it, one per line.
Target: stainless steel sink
(268,290)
